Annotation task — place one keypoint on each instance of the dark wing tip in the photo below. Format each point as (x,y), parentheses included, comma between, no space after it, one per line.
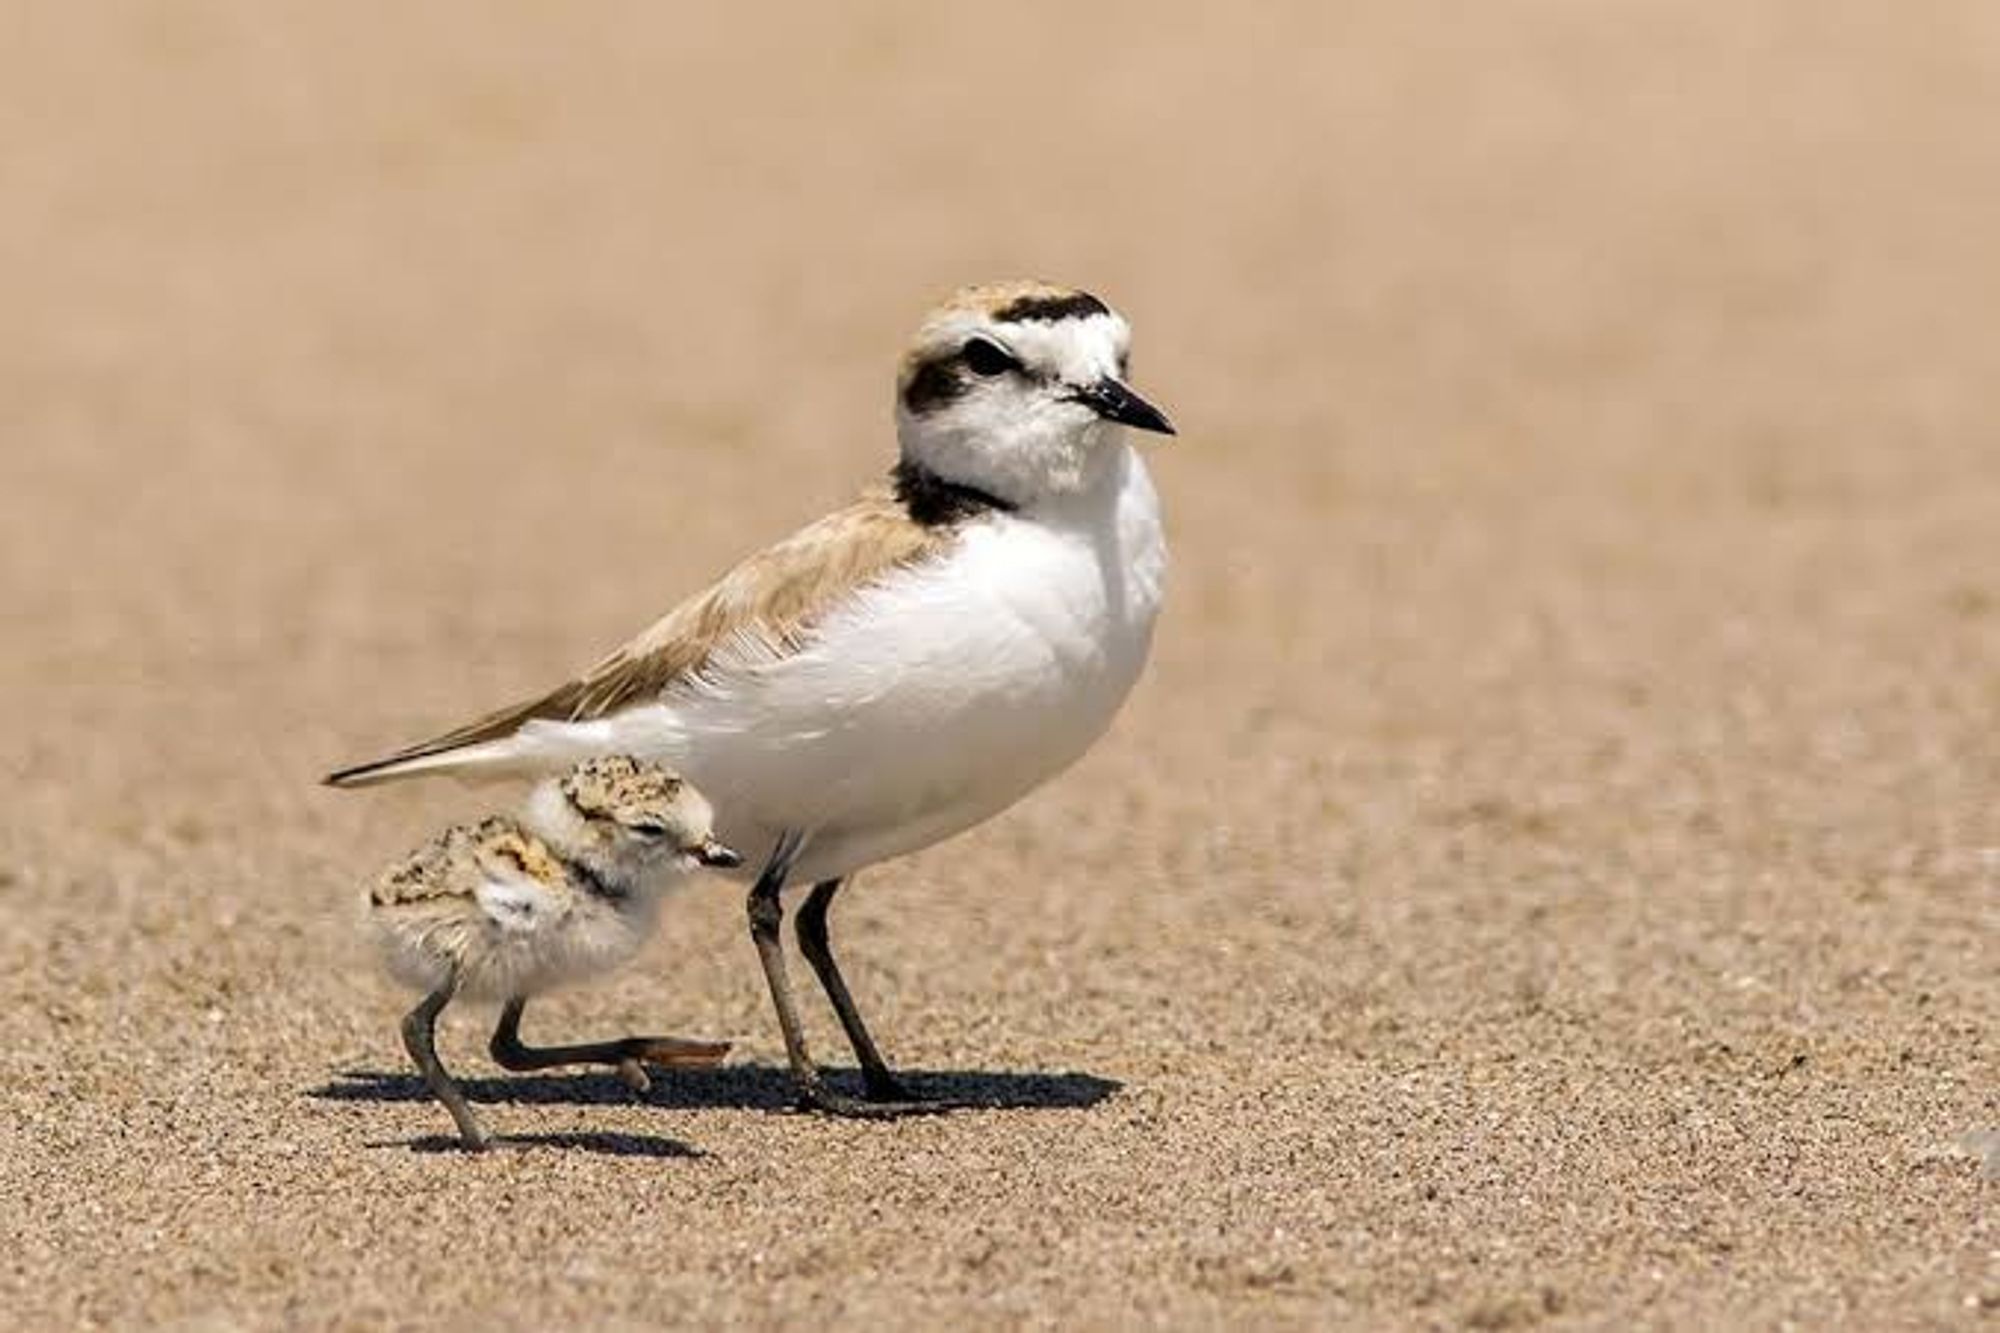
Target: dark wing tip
(358,775)
(347,777)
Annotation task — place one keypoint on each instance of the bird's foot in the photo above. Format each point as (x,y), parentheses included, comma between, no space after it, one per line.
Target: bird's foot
(668,1053)
(676,1052)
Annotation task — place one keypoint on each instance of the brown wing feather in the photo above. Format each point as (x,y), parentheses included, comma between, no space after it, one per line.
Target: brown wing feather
(775,595)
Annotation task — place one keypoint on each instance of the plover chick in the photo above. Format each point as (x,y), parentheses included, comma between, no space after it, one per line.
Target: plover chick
(907,666)
(507,909)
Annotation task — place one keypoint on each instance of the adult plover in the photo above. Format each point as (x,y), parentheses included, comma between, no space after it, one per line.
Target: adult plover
(909,665)
(507,909)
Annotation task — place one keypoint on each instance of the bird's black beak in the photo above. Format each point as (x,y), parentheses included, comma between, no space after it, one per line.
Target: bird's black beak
(1115,402)
(718,855)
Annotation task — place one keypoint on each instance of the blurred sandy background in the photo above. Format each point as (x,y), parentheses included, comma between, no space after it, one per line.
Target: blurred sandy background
(1550,875)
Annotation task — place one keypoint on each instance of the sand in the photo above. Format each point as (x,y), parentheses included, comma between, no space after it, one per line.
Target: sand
(1550,874)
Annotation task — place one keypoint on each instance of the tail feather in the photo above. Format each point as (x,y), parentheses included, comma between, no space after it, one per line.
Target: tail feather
(494,759)
(478,746)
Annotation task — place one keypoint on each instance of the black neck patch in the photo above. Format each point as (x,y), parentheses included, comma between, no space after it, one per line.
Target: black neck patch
(935,502)
(1049,309)
(594,884)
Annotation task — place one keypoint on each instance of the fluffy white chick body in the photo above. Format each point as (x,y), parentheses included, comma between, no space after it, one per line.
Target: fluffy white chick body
(508,909)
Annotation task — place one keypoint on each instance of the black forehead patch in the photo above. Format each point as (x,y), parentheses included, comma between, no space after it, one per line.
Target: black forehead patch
(1049,309)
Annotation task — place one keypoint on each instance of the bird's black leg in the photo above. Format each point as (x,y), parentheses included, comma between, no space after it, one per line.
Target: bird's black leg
(767,916)
(420,1039)
(881,1083)
(629,1055)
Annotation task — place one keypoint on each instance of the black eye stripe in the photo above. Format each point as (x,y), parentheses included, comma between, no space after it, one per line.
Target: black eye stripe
(952,374)
(935,384)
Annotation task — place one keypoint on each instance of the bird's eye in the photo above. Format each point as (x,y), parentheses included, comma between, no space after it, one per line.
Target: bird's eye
(649,829)
(987,358)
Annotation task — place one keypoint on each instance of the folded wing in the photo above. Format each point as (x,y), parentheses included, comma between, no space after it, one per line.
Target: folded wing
(773,599)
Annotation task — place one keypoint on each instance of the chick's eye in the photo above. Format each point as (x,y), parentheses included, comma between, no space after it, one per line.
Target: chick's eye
(649,830)
(987,359)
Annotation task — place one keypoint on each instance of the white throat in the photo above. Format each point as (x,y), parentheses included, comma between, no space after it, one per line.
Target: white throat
(1019,457)
(549,816)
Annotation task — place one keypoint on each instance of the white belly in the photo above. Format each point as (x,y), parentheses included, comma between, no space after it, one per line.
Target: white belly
(931,702)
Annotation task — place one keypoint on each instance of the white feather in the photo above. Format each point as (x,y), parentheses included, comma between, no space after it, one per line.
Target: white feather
(517,906)
(925,705)
(946,692)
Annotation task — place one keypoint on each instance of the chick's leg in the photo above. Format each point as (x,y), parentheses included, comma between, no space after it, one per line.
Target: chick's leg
(420,1039)
(628,1055)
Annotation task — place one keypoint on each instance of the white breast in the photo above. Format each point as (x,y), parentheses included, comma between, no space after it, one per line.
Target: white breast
(520,905)
(531,938)
(932,701)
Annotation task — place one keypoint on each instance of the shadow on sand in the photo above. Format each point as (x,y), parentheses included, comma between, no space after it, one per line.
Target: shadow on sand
(739,1087)
(609,1145)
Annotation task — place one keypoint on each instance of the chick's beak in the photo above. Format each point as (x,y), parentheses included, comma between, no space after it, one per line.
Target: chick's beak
(1114,401)
(718,855)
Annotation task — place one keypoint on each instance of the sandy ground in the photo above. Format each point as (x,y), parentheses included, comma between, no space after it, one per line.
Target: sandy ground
(1550,874)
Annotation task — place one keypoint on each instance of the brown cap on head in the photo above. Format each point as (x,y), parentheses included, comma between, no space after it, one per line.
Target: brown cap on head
(620,788)
(1024,302)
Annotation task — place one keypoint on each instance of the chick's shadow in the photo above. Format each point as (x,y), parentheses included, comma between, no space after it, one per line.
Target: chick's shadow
(609,1145)
(739,1087)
